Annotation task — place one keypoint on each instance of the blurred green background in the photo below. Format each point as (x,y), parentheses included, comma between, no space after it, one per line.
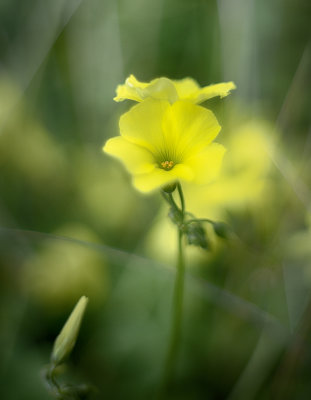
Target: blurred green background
(72,225)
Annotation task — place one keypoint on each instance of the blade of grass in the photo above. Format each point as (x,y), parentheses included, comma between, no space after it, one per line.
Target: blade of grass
(21,64)
(224,299)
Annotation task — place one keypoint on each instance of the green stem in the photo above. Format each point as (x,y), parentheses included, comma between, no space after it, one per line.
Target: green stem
(172,201)
(177,307)
(165,196)
(182,199)
(50,376)
(190,221)
(178,295)
(168,197)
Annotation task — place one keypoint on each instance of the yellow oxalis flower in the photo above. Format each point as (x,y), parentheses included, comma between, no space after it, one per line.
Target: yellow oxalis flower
(171,90)
(244,179)
(161,143)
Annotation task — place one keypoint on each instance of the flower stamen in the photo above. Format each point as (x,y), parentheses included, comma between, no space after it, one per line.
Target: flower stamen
(167,165)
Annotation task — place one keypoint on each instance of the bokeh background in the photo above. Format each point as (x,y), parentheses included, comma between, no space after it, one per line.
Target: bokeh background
(72,225)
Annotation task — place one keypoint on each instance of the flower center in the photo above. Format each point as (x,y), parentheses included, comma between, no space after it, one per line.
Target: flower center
(167,165)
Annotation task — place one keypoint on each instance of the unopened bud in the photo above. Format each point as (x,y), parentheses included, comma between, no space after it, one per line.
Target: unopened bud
(196,235)
(170,187)
(66,340)
(221,229)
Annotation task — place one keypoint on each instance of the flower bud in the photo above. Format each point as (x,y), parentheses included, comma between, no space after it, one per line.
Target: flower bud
(170,187)
(196,236)
(66,340)
(221,229)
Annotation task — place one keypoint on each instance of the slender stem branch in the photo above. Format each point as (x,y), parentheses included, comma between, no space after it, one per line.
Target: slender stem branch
(172,201)
(165,196)
(168,197)
(50,376)
(182,199)
(190,221)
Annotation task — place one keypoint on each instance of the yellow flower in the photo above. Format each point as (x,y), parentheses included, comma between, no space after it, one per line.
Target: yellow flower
(171,90)
(244,180)
(162,143)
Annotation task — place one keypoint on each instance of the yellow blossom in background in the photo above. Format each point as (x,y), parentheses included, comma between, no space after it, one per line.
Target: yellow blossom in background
(243,176)
(242,182)
(59,271)
(162,143)
(171,90)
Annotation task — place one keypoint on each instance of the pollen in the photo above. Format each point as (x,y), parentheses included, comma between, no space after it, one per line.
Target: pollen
(167,165)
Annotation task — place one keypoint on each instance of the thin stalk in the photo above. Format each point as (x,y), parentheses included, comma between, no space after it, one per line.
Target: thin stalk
(177,311)
(50,377)
(172,201)
(59,392)
(190,221)
(182,199)
(168,197)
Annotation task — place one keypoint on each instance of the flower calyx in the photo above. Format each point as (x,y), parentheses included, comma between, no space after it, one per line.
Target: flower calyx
(196,235)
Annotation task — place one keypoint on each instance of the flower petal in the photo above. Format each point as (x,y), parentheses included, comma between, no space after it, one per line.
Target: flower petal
(130,90)
(160,88)
(170,90)
(188,128)
(159,177)
(186,88)
(137,160)
(208,92)
(142,125)
(206,165)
